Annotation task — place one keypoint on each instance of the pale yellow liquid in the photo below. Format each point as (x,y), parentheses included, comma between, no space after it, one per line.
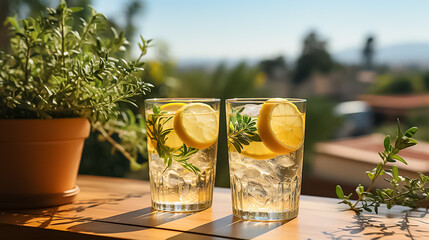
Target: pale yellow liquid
(177,189)
(266,190)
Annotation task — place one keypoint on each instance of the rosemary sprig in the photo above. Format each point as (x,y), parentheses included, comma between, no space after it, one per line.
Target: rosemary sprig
(157,132)
(242,130)
(414,191)
(183,156)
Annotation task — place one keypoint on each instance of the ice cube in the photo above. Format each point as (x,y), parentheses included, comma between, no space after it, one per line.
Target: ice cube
(173,179)
(251,110)
(258,192)
(156,163)
(285,161)
(252,173)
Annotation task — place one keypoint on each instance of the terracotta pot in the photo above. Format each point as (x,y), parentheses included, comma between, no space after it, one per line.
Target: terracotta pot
(39,161)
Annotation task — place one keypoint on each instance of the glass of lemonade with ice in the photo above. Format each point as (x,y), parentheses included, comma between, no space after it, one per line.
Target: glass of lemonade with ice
(265,149)
(182,139)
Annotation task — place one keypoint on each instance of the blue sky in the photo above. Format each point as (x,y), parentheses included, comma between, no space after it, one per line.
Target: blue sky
(232,29)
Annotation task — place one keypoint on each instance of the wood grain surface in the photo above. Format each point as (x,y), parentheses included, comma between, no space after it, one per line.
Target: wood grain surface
(113,208)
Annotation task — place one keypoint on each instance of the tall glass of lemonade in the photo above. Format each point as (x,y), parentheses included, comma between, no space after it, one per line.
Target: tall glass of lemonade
(265,148)
(182,139)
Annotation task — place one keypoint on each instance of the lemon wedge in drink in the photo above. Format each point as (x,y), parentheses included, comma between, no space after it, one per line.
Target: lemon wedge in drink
(257,150)
(197,125)
(281,126)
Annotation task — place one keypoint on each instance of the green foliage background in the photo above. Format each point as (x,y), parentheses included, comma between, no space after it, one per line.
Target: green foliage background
(400,83)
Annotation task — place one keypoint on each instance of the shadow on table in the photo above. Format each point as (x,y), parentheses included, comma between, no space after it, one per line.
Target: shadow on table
(232,227)
(376,229)
(126,222)
(18,218)
(43,217)
(77,206)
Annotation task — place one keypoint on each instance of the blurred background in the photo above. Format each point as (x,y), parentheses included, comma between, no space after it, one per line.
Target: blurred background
(361,65)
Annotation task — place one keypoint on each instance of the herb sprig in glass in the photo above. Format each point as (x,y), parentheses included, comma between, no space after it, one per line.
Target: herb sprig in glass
(242,130)
(158,134)
(404,190)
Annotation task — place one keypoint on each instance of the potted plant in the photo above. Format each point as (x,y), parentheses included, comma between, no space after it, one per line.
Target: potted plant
(56,82)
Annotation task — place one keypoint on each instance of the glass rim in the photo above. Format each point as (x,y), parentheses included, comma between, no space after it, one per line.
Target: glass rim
(161,100)
(262,100)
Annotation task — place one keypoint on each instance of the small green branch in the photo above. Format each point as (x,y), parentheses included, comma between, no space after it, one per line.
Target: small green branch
(241,130)
(115,144)
(414,191)
(63,42)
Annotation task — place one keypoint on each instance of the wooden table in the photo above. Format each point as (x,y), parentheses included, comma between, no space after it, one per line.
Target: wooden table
(112,208)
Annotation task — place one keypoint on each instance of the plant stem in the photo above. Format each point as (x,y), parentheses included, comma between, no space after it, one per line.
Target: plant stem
(389,155)
(138,59)
(369,188)
(27,59)
(82,38)
(115,144)
(63,46)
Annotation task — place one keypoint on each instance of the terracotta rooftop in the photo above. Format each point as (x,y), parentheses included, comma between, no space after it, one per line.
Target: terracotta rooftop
(366,149)
(345,161)
(396,102)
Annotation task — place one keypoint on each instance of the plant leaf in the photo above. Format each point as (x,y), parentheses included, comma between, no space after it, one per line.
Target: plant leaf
(410,132)
(395,173)
(339,191)
(399,158)
(387,142)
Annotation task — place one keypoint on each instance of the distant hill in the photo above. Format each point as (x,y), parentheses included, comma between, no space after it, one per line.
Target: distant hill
(211,63)
(407,54)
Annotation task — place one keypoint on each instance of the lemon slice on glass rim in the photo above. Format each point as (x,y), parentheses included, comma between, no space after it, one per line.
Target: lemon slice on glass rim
(197,125)
(281,126)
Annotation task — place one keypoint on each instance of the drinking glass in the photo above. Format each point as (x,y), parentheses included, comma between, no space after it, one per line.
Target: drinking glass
(182,138)
(265,150)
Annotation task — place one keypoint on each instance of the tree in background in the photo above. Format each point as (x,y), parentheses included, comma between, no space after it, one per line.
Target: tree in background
(368,53)
(314,58)
(272,67)
(426,81)
(398,83)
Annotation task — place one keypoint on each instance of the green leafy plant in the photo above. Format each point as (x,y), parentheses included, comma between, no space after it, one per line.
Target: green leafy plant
(404,191)
(242,130)
(158,133)
(55,70)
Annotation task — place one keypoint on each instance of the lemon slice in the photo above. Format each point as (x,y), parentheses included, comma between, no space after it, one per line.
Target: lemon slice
(173,140)
(257,150)
(197,125)
(281,126)
(172,107)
